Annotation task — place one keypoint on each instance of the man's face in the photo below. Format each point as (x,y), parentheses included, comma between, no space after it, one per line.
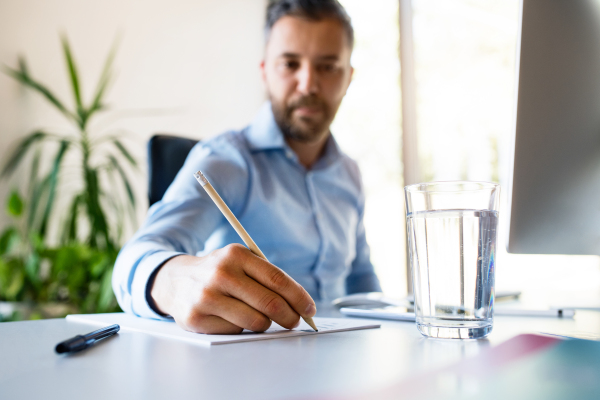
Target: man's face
(307,72)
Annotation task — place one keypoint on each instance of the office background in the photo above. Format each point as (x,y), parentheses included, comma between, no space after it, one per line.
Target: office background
(191,68)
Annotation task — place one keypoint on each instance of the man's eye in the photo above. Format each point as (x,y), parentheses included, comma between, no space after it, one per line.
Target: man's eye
(327,67)
(291,64)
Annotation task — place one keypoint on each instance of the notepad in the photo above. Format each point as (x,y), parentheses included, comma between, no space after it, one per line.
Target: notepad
(171,330)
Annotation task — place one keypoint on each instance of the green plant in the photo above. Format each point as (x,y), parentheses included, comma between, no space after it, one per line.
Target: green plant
(73,273)
(85,235)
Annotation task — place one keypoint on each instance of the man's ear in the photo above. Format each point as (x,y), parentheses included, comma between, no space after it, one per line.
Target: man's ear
(263,73)
(349,79)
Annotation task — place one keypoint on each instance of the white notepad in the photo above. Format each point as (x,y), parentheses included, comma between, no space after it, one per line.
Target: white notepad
(170,330)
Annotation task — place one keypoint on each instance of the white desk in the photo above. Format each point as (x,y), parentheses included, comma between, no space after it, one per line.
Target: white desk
(138,366)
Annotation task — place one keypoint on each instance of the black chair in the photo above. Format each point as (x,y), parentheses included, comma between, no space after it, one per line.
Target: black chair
(166,155)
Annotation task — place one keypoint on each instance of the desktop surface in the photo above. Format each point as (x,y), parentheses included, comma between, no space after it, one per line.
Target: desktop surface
(138,366)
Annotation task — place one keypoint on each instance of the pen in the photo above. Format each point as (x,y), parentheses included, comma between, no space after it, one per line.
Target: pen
(237,226)
(81,342)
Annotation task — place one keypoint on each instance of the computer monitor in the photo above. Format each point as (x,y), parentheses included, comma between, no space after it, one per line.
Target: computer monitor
(554,196)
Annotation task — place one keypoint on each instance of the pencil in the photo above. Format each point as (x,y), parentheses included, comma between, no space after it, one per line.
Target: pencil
(237,226)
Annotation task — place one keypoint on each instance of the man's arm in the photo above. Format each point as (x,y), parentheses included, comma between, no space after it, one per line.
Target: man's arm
(223,292)
(167,232)
(179,224)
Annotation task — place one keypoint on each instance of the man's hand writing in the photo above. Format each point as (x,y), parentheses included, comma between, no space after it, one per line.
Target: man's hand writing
(227,291)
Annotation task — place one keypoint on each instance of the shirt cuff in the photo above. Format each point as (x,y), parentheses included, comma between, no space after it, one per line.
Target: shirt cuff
(140,288)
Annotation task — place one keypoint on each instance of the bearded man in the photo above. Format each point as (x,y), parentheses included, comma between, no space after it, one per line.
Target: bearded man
(285,179)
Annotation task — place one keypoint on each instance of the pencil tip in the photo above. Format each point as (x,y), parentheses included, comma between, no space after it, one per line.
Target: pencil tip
(200,178)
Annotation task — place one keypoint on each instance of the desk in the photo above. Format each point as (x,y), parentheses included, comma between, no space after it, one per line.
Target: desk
(138,366)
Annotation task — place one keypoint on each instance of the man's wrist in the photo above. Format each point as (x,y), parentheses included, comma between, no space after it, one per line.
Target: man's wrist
(151,292)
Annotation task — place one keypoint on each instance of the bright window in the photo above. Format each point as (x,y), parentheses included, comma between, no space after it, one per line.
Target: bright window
(368,128)
(464,53)
(465,72)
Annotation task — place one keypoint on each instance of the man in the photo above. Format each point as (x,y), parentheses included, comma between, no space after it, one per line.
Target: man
(287,182)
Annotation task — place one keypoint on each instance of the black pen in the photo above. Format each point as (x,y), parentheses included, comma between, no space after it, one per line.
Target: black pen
(81,342)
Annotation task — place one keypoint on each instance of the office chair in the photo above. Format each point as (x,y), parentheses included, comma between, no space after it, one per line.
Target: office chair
(166,155)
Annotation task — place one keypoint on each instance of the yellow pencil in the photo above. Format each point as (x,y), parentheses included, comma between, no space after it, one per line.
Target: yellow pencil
(236,225)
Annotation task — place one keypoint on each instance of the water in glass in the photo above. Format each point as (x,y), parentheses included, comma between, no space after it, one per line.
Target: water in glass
(452,256)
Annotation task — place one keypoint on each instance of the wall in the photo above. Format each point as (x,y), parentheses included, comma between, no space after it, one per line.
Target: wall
(185,67)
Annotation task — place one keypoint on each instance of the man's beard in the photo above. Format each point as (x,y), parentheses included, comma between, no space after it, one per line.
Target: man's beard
(302,129)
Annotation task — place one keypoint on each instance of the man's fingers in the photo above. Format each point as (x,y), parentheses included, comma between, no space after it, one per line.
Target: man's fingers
(209,324)
(241,314)
(264,301)
(281,283)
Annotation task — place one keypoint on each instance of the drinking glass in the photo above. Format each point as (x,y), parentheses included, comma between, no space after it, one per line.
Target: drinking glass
(451,229)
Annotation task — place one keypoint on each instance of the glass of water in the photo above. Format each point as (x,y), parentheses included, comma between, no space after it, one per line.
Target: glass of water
(451,230)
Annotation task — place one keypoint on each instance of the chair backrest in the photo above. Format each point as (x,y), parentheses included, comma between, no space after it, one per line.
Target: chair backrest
(166,155)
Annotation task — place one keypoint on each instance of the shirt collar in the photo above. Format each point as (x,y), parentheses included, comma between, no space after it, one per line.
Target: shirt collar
(331,154)
(264,134)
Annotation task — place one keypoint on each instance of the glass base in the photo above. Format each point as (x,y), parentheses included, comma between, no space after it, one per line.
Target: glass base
(444,332)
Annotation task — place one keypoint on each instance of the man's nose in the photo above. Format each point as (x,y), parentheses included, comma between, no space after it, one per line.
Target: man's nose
(307,80)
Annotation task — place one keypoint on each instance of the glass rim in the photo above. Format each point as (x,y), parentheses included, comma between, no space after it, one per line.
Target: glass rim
(484,186)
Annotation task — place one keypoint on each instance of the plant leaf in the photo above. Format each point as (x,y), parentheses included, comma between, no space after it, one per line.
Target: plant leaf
(35,169)
(22,75)
(130,193)
(15,204)
(9,239)
(71,226)
(32,267)
(5,273)
(33,188)
(125,152)
(36,242)
(118,212)
(104,79)
(97,104)
(40,189)
(23,65)
(64,146)
(17,282)
(94,208)
(98,264)
(72,74)
(107,296)
(21,150)
(120,209)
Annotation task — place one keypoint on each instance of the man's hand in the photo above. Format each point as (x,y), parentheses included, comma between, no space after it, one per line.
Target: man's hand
(227,291)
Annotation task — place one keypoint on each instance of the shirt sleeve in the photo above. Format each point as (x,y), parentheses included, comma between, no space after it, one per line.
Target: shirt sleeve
(180,223)
(362,277)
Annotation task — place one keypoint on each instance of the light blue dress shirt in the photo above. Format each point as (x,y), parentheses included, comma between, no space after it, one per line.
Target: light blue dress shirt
(307,222)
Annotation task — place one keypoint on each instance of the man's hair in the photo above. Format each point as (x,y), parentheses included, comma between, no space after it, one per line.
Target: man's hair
(313,10)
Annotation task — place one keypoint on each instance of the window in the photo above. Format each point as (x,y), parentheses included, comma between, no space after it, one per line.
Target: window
(464,55)
(464,61)
(368,129)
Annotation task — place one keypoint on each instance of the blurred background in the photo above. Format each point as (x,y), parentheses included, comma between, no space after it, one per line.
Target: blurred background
(191,68)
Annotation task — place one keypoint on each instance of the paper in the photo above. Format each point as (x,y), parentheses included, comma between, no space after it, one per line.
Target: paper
(167,329)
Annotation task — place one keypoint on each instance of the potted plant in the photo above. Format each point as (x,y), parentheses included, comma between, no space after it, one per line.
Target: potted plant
(62,254)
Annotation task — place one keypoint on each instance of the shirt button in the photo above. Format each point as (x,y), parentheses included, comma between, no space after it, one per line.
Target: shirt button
(288,154)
